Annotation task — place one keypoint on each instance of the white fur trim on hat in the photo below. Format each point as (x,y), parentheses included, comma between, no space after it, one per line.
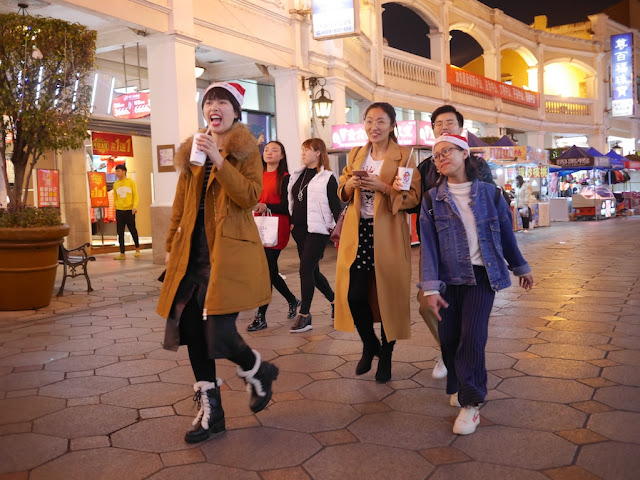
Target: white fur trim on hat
(457,140)
(234,89)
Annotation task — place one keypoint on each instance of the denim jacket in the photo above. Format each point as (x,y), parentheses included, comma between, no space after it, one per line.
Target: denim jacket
(445,255)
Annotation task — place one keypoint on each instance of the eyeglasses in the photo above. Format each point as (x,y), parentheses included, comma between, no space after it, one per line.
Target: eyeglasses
(446,152)
(448,123)
(377,123)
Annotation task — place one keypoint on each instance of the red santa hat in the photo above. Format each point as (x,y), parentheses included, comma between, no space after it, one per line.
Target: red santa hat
(234,89)
(457,140)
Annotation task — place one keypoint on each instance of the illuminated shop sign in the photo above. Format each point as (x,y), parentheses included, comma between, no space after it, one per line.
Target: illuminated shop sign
(478,83)
(112,144)
(354,135)
(335,18)
(48,187)
(622,75)
(132,105)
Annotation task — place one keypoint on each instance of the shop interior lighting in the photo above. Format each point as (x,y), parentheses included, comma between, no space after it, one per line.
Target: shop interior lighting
(93,92)
(113,84)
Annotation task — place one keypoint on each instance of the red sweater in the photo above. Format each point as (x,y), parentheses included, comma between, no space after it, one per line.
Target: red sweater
(277,203)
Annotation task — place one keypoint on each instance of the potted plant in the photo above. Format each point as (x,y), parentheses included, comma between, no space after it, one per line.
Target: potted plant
(44,106)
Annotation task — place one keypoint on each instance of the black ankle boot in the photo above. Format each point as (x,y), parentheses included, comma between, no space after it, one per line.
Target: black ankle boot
(259,380)
(210,417)
(384,363)
(259,322)
(364,365)
(293,308)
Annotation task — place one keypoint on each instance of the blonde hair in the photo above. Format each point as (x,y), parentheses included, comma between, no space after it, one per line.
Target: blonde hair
(317,145)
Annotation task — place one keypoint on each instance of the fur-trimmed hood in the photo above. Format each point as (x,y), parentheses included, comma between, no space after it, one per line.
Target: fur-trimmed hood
(240,143)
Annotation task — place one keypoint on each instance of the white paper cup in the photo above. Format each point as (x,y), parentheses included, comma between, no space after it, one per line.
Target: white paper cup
(198,157)
(405,174)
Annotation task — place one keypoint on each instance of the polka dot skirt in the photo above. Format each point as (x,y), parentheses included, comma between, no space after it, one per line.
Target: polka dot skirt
(364,257)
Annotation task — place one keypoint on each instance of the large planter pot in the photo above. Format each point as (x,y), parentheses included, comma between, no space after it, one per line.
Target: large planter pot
(28,264)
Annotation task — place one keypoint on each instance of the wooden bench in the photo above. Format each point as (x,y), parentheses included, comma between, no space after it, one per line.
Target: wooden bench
(74,264)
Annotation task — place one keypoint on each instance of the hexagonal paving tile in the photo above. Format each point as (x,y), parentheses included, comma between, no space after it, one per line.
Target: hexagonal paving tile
(86,330)
(332,347)
(511,332)
(79,345)
(278,448)
(534,415)
(204,471)
(517,447)
(85,421)
(399,371)
(403,430)
(78,363)
(36,341)
(291,381)
(618,426)
(361,460)
(556,368)
(611,460)
(162,434)
(82,387)
(16,410)
(127,332)
(619,397)
(623,374)
(24,451)
(345,390)
(277,342)
(183,375)
(574,338)
(626,357)
(308,416)
(147,395)
(100,464)
(31,358)
(546,389)
(576,326)
(423,401)
(307,362)
(35,379)
(485,471)
(498,361)
(135,368)
(128,348)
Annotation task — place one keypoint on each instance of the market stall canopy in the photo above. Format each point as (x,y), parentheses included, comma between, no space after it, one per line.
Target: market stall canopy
(592,151)
(505,141)
(617,160)
(475,141)
(575,159)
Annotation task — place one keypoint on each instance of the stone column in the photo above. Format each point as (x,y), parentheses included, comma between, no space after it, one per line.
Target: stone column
(293,114)
(172,85)
(74,195)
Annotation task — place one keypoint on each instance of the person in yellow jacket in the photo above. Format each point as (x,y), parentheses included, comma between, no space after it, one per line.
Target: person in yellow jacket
(126,203)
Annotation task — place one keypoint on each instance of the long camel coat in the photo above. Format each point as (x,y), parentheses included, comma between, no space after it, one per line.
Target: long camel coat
(239,277)
(391,240)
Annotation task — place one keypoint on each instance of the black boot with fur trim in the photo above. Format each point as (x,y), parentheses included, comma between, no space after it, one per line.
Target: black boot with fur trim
(210,417)
(259,380)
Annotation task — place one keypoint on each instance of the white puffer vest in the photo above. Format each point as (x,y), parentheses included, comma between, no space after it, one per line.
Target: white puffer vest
(319,216)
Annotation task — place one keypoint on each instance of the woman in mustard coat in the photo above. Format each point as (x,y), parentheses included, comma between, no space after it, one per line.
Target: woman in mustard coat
(216,264)
(373,267)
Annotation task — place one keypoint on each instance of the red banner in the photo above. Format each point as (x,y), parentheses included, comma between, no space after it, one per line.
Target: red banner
(131,105)
(98,189)
(478,83)
(48,185)
(112,144)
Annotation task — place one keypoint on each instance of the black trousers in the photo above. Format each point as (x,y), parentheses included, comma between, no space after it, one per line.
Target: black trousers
(463,336)
(128,219)
(193,331)
(276,280)
(311,250)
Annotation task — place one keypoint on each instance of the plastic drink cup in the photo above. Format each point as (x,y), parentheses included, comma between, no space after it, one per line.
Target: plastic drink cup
(405,174)
(197,157)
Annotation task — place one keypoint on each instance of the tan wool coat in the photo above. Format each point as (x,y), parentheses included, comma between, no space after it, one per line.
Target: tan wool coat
(391,240)
(239,277)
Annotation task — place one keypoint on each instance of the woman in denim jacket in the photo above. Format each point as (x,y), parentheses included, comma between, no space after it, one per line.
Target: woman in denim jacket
(466,238)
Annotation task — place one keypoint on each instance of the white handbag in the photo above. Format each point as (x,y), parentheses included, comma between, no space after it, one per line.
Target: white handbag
(267,228)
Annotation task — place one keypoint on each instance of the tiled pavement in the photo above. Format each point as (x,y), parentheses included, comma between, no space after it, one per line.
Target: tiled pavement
(87,392)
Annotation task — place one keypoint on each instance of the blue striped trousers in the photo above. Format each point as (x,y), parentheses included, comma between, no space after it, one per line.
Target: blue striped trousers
(463,335)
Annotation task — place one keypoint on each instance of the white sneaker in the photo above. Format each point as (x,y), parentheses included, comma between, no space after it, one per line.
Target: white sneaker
(439,370)
(453,401)
(467,421)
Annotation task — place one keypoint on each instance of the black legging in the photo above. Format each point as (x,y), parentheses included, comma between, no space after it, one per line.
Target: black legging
(358,298)
(128,219)
(311,250)
(192,332)
(276,280)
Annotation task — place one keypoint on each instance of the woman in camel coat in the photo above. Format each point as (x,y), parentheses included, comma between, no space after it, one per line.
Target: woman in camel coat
(376,218)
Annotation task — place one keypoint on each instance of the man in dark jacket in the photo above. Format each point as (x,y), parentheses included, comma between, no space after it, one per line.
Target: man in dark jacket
(445,119)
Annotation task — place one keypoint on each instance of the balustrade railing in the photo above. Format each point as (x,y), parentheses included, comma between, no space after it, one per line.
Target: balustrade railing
(410,67)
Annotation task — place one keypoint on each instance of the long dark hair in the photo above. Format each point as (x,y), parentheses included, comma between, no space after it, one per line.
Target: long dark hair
(282,166)
(318,145)
(390,111)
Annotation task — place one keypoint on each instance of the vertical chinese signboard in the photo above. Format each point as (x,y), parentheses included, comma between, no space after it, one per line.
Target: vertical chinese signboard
(48,188)
(98,189)
(622,98)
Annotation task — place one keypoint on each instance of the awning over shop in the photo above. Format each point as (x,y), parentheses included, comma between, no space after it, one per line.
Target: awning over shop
(575,159)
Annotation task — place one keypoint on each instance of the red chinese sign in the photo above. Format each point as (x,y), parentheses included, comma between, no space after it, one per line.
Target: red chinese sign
(98,189)
(131,105)
(112,144)
(478,83)
(48,186)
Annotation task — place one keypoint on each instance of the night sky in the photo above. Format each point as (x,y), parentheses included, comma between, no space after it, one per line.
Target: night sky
(406,31)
